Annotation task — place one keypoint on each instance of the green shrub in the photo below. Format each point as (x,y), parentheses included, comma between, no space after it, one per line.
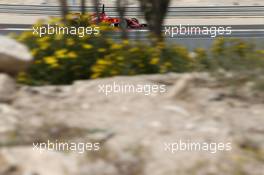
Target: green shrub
(242,59)
(136,58)
(235,55)
(61,59)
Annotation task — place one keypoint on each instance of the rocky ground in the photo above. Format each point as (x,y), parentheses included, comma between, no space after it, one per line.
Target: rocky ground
(133,129)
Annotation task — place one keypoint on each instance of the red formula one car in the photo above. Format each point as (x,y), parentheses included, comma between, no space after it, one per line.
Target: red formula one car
(132,23)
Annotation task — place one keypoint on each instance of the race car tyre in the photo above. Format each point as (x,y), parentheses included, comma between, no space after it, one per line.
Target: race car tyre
(123,24)
(135,19)
(144,25)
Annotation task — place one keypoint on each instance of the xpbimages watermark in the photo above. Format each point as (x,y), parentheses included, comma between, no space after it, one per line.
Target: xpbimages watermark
(187,30)
(212,147)
(127,88)
(80,147)
(65,30)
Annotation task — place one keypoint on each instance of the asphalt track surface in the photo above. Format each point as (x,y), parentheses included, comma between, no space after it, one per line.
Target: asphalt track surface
(135,11)
(255,32)
(250,33)
(238,31)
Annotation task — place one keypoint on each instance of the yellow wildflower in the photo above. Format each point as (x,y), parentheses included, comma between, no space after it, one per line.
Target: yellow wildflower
(43,39)
(22,77)
(101,50)
(116,46)
(261,51)
(102,62)
(120,58)
(154,60)
(161,45)
(54,20)
(34,52)
(44,46)
(95,75)
(61,53)
(168,64)
(72,55)
(125,42)
(70,42)
(134,49)
(51,60)
(87,46)
(58,37)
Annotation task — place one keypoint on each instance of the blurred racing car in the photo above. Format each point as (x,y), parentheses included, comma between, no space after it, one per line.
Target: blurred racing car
(131,23)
